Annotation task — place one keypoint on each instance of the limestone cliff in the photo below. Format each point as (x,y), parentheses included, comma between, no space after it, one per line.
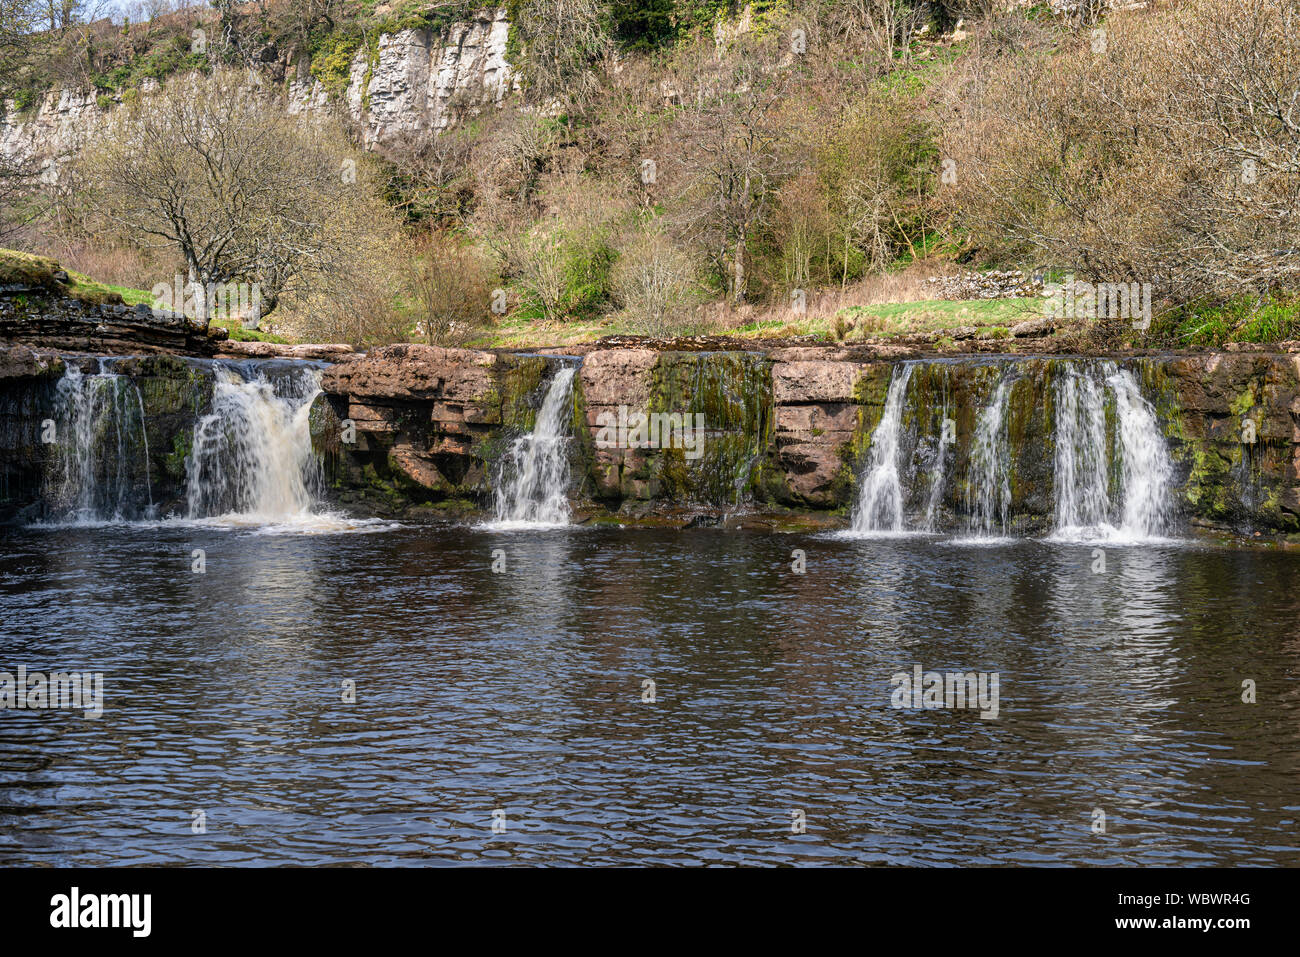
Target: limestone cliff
(413,80)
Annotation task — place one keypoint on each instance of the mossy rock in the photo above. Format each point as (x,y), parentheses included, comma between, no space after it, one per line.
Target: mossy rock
(25,269)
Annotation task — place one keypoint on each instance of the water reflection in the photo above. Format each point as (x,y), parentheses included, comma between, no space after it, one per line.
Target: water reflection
(521,689)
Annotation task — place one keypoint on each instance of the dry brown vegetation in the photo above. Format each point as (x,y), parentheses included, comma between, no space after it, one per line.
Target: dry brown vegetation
(208,173)
(1164,147)
(791,160)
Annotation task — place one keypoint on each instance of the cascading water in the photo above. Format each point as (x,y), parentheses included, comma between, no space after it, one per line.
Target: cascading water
(251,455)
(1084,507)
(937,473)
(1082,480)
(880,495)
(1110,475)
(988,495)
(532,484)
(101,449)
(938,468)
(1147,472)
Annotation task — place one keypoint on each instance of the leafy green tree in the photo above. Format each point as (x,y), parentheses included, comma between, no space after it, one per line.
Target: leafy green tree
(643,25)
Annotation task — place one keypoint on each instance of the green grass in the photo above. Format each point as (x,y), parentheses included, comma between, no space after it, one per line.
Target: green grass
(88,288)
(517,331)
(239,334)
(993,316)
(18,268)
(26,269)
(1243,319)
(21,268)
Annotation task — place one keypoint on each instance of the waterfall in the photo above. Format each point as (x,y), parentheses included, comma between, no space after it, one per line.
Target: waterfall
(1082,478)
(1084,507)
(880,496)
(988,494)
(1147,471)
(532,482)
(251,454)
(937,472)
(101,449)
(1108,467)
(938,469)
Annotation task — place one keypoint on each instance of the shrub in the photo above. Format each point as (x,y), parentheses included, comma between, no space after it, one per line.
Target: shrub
(452,290)
(1150,152)
(655,284)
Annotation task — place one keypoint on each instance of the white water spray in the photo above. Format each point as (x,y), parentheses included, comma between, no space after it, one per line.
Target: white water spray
(101,463)
(532,484)
(1085,508)
(880,496)
(252,455)
(1081,478)
(1147,471)
(988,495)
(938,471)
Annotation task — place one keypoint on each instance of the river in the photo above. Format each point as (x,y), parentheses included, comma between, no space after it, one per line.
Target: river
(225,737)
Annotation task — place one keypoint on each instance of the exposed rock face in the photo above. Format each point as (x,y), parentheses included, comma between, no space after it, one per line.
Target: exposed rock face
(791,428)
(54,318)
(1237,428)
(817,415)
(26,398)
(415,423)
(418,81)
(421,81)
(62,121)
(322,352)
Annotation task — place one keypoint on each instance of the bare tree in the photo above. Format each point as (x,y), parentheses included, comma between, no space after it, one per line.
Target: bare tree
(1168,153)
(728,148)
(655,284)
(219,172)
(563,42)
(431,170)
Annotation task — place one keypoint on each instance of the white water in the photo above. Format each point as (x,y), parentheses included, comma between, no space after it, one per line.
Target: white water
(1085,510)
(880,494)
(532,484)
(938,471)
(1082,494)
(251,461)
(99,419)
(1147,472)
(988,494)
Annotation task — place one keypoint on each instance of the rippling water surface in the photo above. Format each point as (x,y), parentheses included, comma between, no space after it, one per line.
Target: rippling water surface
(521,690)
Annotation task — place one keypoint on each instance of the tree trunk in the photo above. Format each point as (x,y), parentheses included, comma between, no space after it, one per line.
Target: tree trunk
(738,271)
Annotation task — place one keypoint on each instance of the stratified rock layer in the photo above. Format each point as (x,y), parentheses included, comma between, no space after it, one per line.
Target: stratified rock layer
(790,428)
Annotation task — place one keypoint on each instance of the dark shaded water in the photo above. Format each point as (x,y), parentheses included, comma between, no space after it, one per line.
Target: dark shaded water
(1119,691)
